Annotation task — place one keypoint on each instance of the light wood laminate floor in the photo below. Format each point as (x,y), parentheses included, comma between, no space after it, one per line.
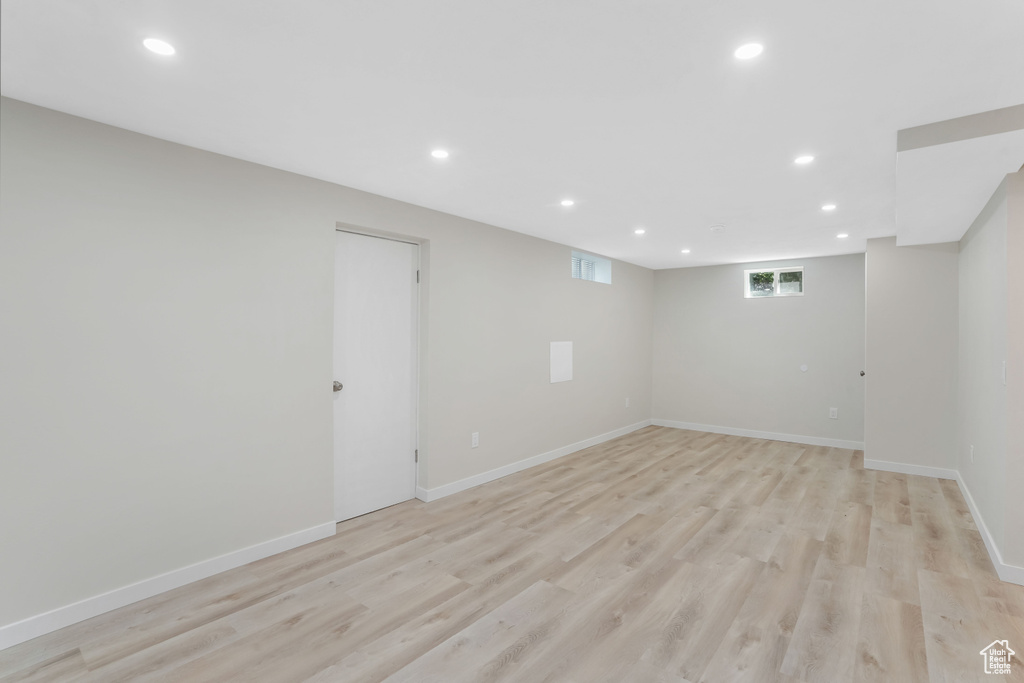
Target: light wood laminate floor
(664,555)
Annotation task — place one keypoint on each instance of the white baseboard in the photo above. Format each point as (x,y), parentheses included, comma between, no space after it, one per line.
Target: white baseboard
(905,468)
(1007,572)
(772,436)
(428,495)
(20,631)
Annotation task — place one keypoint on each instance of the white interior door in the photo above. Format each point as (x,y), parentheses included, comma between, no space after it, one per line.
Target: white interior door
(375,349)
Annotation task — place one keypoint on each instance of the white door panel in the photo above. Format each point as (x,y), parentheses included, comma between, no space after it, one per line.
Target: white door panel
(375,329)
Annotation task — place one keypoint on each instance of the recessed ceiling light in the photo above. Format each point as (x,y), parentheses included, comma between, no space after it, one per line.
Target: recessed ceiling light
(161,47)
(803,160)
(749,51)
(439,154)
(828,207)
(686,251)
(567,202)
(717,227)
(842,235)
(639,231)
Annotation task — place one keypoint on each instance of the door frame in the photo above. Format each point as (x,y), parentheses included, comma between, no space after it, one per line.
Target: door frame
(419,339)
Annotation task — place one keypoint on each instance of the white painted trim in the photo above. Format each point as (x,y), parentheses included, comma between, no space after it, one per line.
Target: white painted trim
(428,495)
(20,631)
(1007,572)
(906,468)
(773,436)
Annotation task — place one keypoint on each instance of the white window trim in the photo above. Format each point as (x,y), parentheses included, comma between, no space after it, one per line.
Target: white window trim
(777,284)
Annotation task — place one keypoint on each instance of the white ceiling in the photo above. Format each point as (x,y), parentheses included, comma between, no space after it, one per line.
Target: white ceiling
(636,109)
(940,190)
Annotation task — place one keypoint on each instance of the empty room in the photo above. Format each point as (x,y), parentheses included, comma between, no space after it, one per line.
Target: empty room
(558,341)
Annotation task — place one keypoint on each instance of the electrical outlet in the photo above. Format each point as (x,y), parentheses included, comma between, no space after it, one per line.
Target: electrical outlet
(833,413)
(972,453)
(476,439)
(627,401)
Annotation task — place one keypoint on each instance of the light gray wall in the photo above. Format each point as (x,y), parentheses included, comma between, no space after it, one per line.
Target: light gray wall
(941,319)
(167,353)
(498,299)
(1013,537)
(726,361)
(991,332)
(982,342)
(910,407)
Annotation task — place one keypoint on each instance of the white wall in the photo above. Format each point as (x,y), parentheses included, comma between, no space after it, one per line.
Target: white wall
(498,299)
(1013,551)
(982,342)
(726,361)
(167,353)
(941,319)
(910,402)
(991,411)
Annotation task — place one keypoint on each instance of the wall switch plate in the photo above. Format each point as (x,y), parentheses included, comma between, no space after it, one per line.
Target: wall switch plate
(627,401)
(833,413)
(476,439)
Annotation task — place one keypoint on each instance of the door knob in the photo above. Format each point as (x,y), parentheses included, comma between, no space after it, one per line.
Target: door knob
(337,386)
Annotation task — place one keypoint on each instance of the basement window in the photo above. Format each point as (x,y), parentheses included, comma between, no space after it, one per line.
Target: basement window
(775,282)
(590,267)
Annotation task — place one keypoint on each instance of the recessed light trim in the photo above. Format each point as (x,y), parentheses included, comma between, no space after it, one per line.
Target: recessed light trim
(842,236)
(161,47)
(803,159)
(439,154)
(749,51)
(567,202)
(717,227)
(639,231)
(685,251)
(828,207)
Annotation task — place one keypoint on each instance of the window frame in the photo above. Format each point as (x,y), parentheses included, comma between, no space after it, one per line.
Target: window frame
(776,282)
(601,268)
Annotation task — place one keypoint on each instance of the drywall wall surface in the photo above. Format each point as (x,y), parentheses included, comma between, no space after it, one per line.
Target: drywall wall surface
(1013,535)
(165,325)
(723,360)
(910,393)
(982,350)
(167,353)
(497,301)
